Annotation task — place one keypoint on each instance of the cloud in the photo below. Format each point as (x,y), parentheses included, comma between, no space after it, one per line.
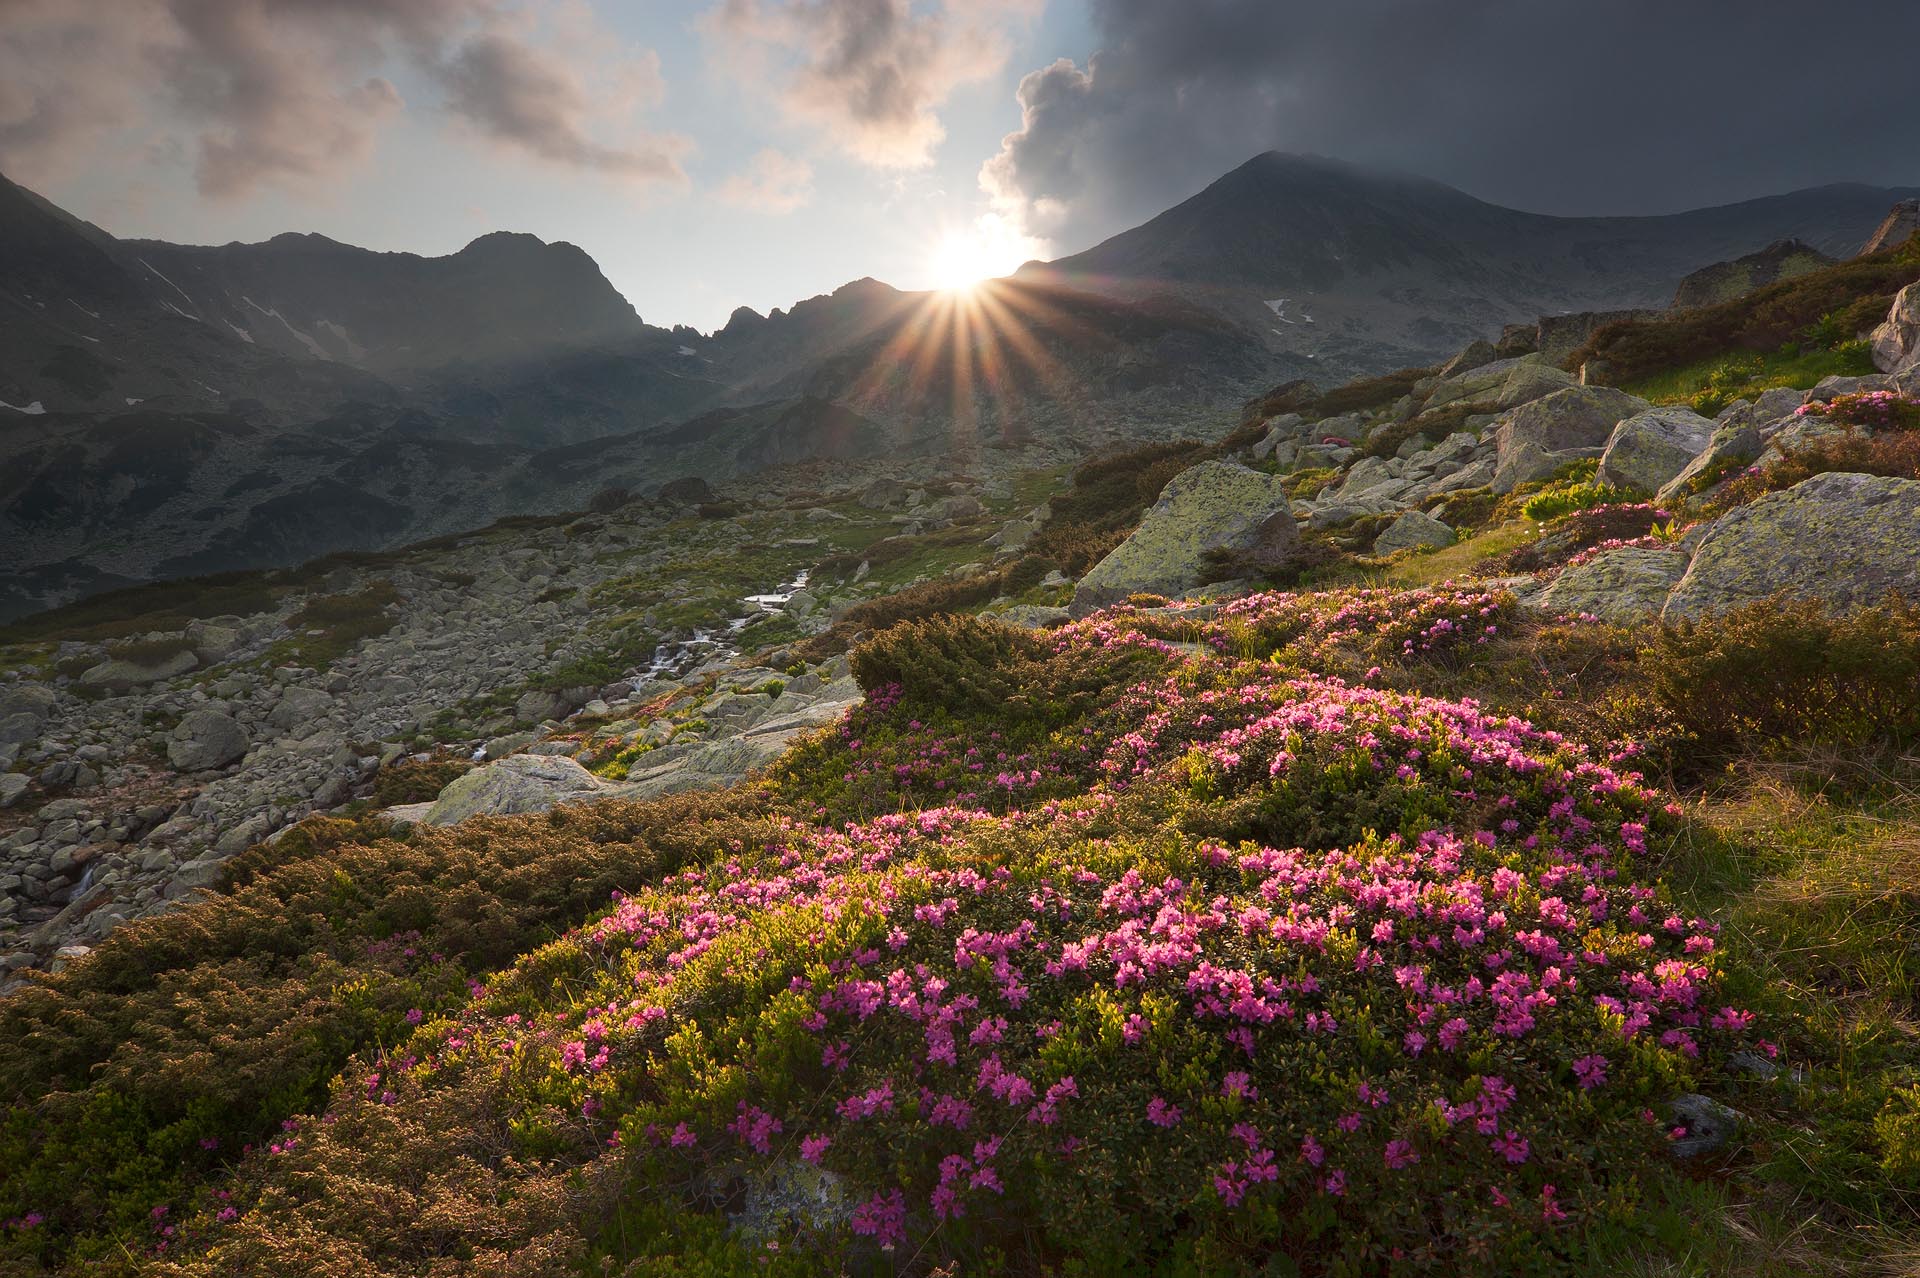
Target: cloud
(1633,106)
(527,98)
(773,182)
(293,93)
(873,73)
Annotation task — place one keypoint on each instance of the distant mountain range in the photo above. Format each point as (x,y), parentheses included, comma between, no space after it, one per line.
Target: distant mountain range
(169,409)
(1362,270)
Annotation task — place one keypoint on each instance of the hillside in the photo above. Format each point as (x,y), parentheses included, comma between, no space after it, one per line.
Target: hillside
(1368,270)
(1359,842)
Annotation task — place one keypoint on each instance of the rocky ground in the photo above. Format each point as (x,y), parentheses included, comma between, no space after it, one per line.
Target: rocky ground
(126,781)
(645,650)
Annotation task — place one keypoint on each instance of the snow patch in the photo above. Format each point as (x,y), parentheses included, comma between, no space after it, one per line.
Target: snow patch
(688,350)
(305,339)
(240,333)
(354,349)
(134,399)
(31,410)
(170,284)
(83,310)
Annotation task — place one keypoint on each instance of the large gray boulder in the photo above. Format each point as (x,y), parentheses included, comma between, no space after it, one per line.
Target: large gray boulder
(1896,343)
(1413,530)
(299,705)
(205,739)
(1530,381)
(1215,505)
(1648,449)
(1540,437)
(518,783)
(1847,540)
(118,675)
(1616,586)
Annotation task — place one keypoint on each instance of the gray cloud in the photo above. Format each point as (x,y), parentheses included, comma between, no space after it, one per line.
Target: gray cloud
(872,72)
(293,92)
(1631,106)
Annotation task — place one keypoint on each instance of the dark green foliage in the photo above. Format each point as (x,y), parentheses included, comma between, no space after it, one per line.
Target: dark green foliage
(1782,677)
(214,1024)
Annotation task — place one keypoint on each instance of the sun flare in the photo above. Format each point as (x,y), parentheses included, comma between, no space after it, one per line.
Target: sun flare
(961,261)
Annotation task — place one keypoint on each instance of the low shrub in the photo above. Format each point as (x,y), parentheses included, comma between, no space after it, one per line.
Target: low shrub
(1566,498)
(1785,677)
(417,780)
(1896,454)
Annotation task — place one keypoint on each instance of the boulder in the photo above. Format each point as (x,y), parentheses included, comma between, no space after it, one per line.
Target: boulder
(1413,530)
(884,494)
(213,643)
(1538,438)
(959,506)
(12,786)
(118,675)
(537,705)
(299,705)
(1648,449)
(1215,505)
(20,728)
(1896,343)
(1531,381)
(1617,586)
(1476,354)
(689,490)
(518,783)
(28,698)
(205,739)
(1847,540)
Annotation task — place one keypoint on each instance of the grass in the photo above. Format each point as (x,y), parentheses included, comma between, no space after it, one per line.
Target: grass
(328,627)
(1736,377)
(1459,560)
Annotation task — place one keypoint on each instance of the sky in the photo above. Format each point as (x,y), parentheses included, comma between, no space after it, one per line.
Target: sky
(711,154)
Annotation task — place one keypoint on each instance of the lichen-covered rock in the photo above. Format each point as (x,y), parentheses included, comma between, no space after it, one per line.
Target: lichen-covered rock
(518,783)
(1538,438)
(1847,540)
(1896,343)
(1530,381)
(1215,505)
(1412,530)
(1648,449)
(1617,586)
(205,739)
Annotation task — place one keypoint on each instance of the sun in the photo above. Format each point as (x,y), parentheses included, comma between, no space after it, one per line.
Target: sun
(961,260)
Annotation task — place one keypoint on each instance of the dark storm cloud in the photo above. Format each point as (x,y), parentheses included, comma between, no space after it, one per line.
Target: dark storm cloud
(292,92)
(1628,106)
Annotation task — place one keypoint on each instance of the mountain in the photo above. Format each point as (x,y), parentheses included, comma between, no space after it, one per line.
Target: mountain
(170,409)
(1363,270)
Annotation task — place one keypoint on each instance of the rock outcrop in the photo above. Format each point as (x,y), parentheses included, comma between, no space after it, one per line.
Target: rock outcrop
(1617,586)
(1540,437)
(518,783)
(1413,530)
(1648,449)
(1896,343)
(1847,540)
(1216,505)
(1724,281)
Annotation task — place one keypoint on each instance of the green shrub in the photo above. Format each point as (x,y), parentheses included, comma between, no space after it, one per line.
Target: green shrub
(1786,677)
(1564,499)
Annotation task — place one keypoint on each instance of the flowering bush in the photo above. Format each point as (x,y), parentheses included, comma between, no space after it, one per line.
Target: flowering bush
(1871,410)
(1265,965)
